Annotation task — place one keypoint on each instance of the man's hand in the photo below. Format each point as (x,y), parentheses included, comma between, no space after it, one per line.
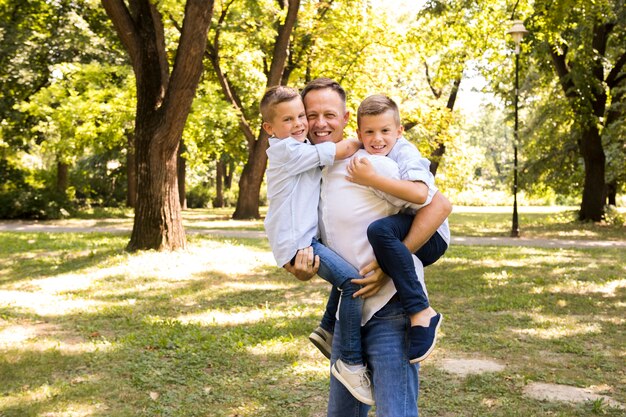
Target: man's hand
(371,283)
(305,266)
(361,171)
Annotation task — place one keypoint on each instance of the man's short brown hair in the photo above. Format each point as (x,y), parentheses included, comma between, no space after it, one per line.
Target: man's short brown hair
(322,83)
(375,105)
(273,96)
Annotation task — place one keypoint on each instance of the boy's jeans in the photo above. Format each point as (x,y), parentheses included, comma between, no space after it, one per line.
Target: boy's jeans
(399,224)
(334,269)
(394,379)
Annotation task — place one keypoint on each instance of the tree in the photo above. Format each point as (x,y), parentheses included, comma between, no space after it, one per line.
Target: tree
(584,42)
(274,64)
(163,103)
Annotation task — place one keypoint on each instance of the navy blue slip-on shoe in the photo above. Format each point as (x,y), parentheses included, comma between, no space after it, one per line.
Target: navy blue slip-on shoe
(422,339)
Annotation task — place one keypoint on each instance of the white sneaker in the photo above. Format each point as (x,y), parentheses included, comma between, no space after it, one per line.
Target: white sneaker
(358,382)
(322,340)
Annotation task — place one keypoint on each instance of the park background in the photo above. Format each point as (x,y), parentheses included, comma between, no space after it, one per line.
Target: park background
(143,151)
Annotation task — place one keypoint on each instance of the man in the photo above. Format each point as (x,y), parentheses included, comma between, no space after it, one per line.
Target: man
(346,210)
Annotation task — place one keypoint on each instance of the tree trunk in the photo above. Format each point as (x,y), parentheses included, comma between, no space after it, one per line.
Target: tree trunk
(592,206)
(254,169)
(62,177)
(250,181)
(229,169)
(219,182)
(611,193)
(163,103)
(181,169)
(437,154)
(435,158)
(131,172)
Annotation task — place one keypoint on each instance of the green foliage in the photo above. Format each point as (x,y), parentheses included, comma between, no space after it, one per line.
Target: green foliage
(32,203)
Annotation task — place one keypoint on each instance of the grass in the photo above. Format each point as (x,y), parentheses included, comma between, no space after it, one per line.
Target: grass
(87,329)
(535,222)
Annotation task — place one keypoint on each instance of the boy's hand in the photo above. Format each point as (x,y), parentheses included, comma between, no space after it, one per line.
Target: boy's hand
(305,267)
(361,171)
(372,283)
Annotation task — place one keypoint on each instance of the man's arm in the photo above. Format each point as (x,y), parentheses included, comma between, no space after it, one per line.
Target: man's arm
(346,148)
(425,224)
(362,172)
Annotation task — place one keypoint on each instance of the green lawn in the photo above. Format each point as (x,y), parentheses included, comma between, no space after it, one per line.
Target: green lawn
(534,222)
(87,329)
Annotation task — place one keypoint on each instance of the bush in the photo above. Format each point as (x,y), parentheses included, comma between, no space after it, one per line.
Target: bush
(32,203)
(199,196)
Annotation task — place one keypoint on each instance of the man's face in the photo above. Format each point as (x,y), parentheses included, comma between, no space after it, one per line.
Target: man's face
(379,133)
(327,115)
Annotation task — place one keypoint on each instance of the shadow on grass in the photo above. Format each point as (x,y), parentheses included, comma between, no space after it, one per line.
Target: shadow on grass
(27,255)
(140,360)
(222,344)
(548,314)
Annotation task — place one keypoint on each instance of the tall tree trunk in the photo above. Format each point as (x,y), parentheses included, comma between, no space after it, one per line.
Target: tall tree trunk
(62,177)
(181,169)
(229,169)
(254,169)
(131,171)
(437,154)
(250,181)
(611,193)
(163,103)
(592,205)
(219,183)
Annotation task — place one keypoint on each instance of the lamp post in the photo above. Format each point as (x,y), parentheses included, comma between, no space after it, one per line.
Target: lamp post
(517,31)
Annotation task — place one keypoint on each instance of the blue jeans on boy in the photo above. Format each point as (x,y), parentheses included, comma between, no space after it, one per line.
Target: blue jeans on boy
(334,269)
(393,228)
(385,236)
(395,380)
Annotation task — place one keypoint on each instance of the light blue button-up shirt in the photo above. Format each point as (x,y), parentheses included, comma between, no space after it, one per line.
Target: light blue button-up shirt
(293,191)
(414,167)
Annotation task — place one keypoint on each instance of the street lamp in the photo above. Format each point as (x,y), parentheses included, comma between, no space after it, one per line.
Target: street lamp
(517,31)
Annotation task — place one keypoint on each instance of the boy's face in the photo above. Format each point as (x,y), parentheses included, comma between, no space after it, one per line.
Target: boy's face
(379,133)
(289,120)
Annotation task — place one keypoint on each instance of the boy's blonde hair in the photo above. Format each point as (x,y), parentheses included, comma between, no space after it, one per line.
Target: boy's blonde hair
(274,96)
(375,105)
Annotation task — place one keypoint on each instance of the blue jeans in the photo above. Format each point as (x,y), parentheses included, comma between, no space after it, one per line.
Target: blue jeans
(334,269)
(395,380)
(385,236)
(399,224)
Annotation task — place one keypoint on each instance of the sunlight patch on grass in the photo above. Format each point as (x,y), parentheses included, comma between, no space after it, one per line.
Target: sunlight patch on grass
(74,410)
(220,318)
(553,327)
(576,287)
(46,304)
(28,396)
(41,337)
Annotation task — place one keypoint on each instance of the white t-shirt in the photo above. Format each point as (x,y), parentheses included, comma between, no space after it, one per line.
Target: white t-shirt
(346,210)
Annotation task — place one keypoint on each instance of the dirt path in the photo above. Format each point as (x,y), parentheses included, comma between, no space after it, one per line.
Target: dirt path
(87,226)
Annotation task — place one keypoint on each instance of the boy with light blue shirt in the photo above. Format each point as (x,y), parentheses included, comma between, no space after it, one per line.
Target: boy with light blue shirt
(293,189)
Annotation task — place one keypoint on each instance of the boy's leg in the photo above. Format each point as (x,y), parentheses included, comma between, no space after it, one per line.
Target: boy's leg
(395,259)
(385,235)
(340,273)
(432,250)
(322,336)
(349,368)
(330,314)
